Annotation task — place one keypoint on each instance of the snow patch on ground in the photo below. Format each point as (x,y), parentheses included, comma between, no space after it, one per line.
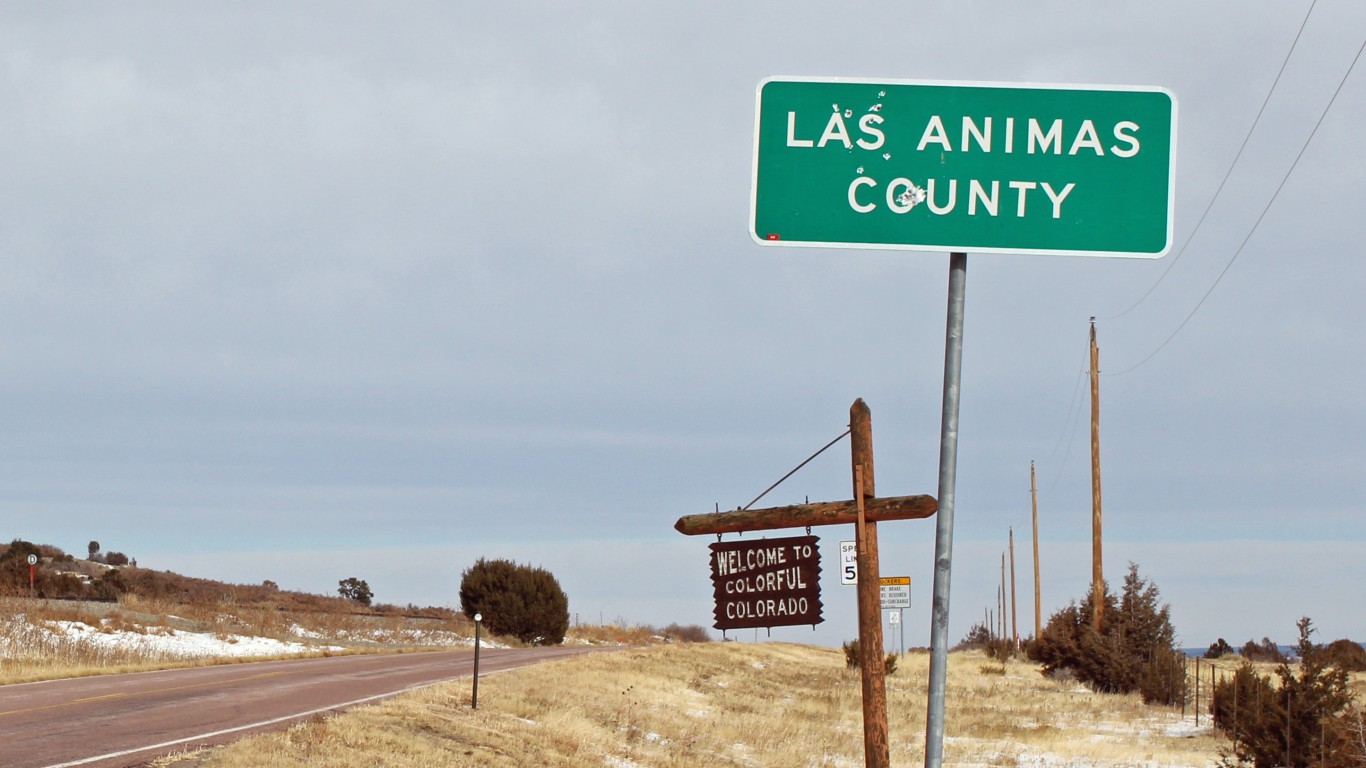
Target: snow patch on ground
(408,636)
(160,641)
(183,645)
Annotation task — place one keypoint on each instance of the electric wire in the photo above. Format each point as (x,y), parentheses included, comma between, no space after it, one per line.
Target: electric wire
(1069,429)
(1172,262)
(1260,217)
(794,470)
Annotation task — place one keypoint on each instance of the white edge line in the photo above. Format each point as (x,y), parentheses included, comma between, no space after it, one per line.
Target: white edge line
(261,724)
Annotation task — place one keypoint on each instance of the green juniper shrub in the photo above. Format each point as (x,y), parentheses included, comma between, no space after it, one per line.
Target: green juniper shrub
(516,601)
(1134,650)
(1306,719)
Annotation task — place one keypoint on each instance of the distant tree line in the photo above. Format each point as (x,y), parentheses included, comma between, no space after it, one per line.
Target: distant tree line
(1342,653)
(108,558)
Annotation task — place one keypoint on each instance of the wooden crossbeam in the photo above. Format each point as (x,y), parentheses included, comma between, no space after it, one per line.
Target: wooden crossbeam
(800,515)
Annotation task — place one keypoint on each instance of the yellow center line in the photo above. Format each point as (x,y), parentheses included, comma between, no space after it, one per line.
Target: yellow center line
(130,694)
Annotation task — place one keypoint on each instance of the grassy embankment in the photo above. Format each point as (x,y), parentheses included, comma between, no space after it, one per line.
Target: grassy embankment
(728,704)
(33,645)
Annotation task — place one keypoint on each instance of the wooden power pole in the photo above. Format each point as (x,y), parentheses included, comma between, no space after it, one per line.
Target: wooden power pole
(1034,513)
(876,749)
(1002,593)
(1097,574)
(1014,611)
(864,511)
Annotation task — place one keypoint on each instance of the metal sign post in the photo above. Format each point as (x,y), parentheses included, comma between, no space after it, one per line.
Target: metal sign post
(943,535)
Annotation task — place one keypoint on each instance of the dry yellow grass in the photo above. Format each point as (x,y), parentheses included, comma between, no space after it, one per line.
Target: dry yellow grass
(31,649)
(723,704)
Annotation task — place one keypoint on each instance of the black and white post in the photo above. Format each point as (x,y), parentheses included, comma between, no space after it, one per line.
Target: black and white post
(474,695)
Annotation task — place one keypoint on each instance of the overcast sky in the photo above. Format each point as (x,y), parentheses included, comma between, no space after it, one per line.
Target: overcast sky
(306,291)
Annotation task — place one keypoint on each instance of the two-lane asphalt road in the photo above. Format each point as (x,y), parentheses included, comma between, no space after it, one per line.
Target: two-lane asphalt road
(125,720)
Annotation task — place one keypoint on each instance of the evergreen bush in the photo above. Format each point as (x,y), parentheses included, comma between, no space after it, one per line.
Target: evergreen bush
(853,658)
(1347,655)
(516,601)
(1306,720)
(355,589)
(1135,649)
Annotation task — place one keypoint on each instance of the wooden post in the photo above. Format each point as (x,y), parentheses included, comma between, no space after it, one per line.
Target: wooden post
(1097,575)
(876,750)
(813,513)
(1002,593)
(1014,612)
(864,512)
(1197,693)
(1034,513)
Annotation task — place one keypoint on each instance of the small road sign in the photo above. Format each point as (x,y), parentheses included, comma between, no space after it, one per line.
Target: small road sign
(32,559)
(955,166)
(848,563)
(896,592)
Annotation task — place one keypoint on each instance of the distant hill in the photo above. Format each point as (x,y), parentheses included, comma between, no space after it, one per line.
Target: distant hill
(61,576)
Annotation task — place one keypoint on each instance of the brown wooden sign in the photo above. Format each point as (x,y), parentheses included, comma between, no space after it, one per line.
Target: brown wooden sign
(767,582)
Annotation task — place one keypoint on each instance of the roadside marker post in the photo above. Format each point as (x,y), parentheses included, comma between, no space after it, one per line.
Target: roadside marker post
(474,695)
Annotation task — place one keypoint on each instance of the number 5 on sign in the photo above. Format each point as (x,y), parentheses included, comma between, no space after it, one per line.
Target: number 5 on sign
(848,562)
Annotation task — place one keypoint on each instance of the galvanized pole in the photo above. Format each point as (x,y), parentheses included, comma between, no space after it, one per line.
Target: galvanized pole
(901,629)
(943,538)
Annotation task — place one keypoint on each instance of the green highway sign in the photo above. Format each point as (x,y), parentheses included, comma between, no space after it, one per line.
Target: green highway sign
(947,166)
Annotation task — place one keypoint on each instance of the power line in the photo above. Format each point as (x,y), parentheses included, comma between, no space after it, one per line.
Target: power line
(1260,217)
(1172,262)
(1069,430)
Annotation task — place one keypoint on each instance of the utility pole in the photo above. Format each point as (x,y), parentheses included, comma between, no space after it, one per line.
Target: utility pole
(1003,597)
(1014,608)
(1097,575)
(876,749)
(865,511)
(1034,512)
